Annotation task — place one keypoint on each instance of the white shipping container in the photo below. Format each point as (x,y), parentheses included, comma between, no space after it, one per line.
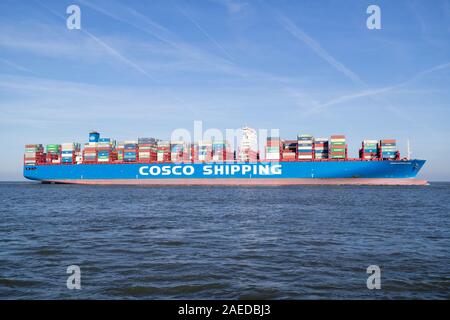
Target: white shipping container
(305,141)
(204,143)
(305,157)
(389,149)
(370,141)
(68,145)
(102,160)
(273,156)
(337,140)
(177,142)
(30,154)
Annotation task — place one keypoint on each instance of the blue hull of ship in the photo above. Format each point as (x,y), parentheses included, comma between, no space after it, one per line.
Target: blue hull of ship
(400,169)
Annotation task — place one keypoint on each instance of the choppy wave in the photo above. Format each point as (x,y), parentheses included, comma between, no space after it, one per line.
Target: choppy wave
(224,243)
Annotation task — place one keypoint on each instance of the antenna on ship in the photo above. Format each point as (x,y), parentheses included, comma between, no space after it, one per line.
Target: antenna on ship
(408,150)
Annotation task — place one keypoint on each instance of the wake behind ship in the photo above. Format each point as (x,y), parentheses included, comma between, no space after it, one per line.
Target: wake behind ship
(148,161)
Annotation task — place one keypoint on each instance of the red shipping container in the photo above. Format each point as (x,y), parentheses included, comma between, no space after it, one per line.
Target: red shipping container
(273,143)
(337,153)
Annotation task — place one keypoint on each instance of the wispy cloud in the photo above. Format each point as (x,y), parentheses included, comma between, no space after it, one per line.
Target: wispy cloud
(373,94)
(233,6)
(145,24)
(377,92)
(14,65)
(204,32)
(298,33)
(110,50)
(116,54)
(425,34)
(202,59)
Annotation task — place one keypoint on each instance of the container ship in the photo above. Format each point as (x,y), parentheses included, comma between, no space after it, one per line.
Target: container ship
(148,161)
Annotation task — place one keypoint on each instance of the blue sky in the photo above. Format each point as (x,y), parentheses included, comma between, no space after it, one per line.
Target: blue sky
(145,68)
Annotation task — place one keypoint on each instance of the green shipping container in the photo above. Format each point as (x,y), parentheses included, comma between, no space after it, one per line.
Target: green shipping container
(337,143)
(338,149)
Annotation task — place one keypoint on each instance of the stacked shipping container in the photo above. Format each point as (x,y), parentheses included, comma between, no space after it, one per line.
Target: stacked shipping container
(305,147)
(34,154)
(147,149)
(130,151)
(179,151)
(369,150)
(388,149)
(273,148)
(53,153)
(220,151)
(69,152)
(163,151)
(104,150)
(337,147)
(320,148)
(90,152)
(204,151)
(289,150)
(120,150)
